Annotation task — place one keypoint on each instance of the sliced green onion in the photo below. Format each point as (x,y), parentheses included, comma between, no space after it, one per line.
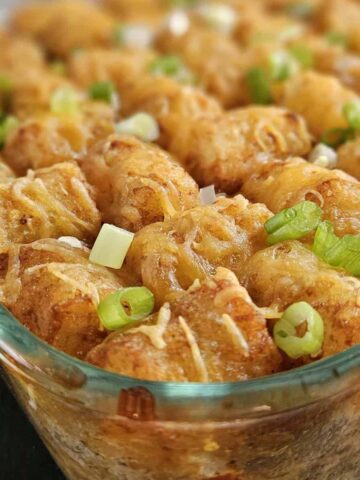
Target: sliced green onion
(259,85)
(141,125)
(7,124)
(65,101)
(125,306)
(285,333)
(102,91)
(323,156)
(58,67)
(302,10)
(338,252)
(6,84)
(337,136)
(172,66)
(135,36)
(303,55)
(337,38)
(293,223)
(111,246)
(118,36)
(351,112)
(282,66)
(221,17)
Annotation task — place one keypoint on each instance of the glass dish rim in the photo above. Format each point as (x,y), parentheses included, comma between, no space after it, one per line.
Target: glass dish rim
(17,343)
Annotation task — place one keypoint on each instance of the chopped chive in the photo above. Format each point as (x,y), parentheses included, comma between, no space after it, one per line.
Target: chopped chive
(338,252)
(65,101)
(125,306)
(259,85)
(351,112)
(303,55)
(337,38)
(6,84)
(293,223)
(7,124)
(285,333)
(104,91)
(58,67)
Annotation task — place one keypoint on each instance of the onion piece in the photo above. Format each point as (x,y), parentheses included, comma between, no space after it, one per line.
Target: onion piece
(141,125)
(111,246)
(323,156)
(222,17)
(207,195)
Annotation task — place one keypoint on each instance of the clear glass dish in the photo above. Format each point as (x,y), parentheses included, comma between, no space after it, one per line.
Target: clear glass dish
(299,425)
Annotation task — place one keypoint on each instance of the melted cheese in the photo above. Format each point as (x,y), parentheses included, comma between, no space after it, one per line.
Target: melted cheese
(195,351)
(236,334)
(156,332)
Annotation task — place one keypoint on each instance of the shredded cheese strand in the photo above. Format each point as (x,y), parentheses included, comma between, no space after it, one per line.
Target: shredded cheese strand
(195,350)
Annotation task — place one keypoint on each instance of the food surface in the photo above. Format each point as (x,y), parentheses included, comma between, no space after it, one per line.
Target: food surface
(179,183)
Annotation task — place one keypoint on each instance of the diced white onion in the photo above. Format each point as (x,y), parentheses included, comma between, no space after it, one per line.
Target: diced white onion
(178,23)
(207,195)
(111,246)
(72,241)
(222,17)
(142,125)
(137,36)
(323,156)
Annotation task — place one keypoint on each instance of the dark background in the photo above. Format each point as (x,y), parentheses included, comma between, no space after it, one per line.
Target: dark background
(22,454)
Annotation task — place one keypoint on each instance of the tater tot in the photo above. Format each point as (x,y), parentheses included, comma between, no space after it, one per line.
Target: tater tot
(318,98)
(119,66)
(289,272)
(50,202)
(65,25)
(349,158)
(225,150)
(66,315)
(212,56)
(18,54)
(232,342)
(46,139)
(341,16)
(167,257)
(282,185)
(31,92)
(172,104)
(137,183)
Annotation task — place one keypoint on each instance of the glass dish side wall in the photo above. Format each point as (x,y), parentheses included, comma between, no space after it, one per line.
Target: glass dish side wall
(295,429)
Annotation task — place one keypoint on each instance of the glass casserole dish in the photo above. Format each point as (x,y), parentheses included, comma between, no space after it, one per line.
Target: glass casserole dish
(303,424)
(298,425)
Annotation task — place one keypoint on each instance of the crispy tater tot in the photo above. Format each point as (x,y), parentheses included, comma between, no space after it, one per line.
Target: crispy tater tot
(65,25)
(318,98)
(167,257)
(119,66)
(340,16)
(50,202)
(301,276)
(46,139)
(137,183)
(281,185)
(212,56)
(349,158)
(212,333)
(31,92)
(172,104)
(66,315)
(227,149)
(18,54)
